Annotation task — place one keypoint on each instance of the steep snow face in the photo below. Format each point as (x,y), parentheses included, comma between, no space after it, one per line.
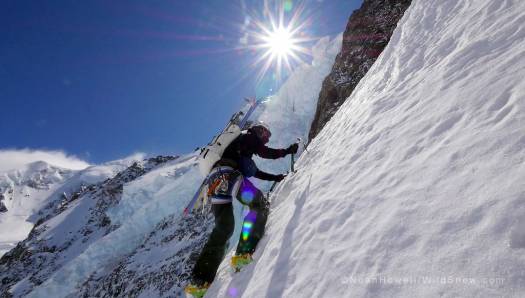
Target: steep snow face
(415,187)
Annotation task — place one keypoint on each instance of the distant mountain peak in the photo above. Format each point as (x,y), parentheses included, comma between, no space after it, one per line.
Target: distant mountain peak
(38,165)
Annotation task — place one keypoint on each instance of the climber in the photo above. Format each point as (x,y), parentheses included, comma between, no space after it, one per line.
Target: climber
(229,179)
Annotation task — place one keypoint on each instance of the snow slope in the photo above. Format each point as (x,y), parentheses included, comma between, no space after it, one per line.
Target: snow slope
(415,187)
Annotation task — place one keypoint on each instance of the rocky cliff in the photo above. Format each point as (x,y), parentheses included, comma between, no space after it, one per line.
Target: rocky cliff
(367,33)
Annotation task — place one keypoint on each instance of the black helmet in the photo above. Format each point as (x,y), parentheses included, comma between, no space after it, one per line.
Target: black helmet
(261,130)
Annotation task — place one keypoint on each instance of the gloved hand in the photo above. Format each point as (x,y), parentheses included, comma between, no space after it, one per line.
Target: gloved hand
(279,178)
(293,148)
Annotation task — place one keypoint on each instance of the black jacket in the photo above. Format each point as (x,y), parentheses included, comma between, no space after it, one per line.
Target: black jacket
(244,147)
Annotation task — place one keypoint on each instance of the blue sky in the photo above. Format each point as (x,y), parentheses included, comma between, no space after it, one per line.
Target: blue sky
(104,79)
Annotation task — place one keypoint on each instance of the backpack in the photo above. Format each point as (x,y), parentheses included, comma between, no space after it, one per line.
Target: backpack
(213,152)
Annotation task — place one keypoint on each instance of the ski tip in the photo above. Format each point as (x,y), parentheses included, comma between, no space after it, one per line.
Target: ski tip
(255,101)
(250,100)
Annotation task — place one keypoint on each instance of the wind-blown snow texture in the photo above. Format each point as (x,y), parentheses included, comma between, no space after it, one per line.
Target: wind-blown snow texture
(415,187)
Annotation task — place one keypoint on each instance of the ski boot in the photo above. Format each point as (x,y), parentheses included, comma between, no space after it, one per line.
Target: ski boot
(239,261)
(197,291)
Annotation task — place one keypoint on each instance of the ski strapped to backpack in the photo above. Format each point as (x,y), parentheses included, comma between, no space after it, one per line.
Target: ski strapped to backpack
(210,154)
(196,196)
(213,151)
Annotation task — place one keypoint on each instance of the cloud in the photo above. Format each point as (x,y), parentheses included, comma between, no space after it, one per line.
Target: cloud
(15,159)
(137,156)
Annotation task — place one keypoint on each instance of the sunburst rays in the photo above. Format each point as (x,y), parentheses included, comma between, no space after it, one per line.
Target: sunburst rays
(278,40)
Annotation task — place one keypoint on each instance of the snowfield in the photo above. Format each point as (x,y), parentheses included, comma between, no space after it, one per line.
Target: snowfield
(416,187)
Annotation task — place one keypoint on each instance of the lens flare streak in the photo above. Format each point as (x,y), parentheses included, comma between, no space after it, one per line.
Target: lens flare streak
(247,225)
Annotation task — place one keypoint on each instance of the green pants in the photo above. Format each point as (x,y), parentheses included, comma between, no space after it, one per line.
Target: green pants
(253,230)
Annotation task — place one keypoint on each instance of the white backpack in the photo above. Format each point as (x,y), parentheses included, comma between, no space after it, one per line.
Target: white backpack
(213,151)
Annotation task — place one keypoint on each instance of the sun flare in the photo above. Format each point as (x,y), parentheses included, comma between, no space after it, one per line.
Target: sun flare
(279,40)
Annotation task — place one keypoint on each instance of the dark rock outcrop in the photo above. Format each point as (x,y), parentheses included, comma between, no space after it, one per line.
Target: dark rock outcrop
(3,208)
(367,33)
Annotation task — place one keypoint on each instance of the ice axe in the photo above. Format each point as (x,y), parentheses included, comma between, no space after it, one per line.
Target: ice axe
(292,161)
(292,167)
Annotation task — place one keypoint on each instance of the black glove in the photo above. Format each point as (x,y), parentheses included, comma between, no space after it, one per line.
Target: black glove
(293,148)
(279,178)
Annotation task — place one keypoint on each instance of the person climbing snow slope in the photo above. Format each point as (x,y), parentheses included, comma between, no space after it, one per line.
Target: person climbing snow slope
(228,179)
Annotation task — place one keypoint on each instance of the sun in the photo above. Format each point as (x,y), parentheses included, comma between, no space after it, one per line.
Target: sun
(279,41)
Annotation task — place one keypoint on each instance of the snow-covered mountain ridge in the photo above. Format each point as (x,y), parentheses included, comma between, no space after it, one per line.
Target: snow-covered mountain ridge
(65,228)
(34,176)
(30,193)
(23,193)
(38,175)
